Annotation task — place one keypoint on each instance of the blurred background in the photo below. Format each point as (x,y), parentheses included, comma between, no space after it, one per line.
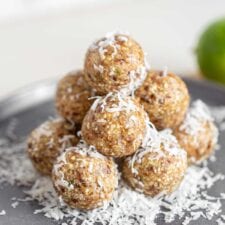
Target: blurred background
(42,39)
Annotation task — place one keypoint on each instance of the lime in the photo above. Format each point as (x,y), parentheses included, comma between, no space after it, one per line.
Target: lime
(211,51)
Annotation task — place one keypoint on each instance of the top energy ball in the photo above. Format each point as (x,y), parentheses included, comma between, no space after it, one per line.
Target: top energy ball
(113,63)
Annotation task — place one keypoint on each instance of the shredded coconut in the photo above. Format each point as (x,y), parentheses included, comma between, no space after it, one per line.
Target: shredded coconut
(15,204)
(69,90)
(3,213)
(43,130)
(219,115)
(120,103)
(165,71)
(110,39)
(147,64)
(154,144)
(56,168)
(86,150)
(191,201)
(99,68)
(132,59)
(198,113)
(136,79)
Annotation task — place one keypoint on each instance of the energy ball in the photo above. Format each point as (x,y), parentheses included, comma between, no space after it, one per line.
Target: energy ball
(115,62)
(165,98)
(72,97)
(197,134)
(84,178)
(46,142)
(115,125)
(158,168)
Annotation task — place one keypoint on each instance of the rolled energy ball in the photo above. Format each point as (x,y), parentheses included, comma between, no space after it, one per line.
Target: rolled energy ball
(72,97)
(115,125)
(165,98)
(158,168)
(46,142)
(84,178)
(197,134)
(115,62)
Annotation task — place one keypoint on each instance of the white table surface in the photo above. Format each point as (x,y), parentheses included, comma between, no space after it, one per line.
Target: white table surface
(36,47)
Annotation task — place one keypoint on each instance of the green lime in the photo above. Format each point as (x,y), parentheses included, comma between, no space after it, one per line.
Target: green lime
(211,51)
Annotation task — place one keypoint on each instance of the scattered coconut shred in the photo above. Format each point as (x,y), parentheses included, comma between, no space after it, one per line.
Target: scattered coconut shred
(190,202)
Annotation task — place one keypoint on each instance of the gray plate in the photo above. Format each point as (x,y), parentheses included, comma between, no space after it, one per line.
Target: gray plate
(34,104)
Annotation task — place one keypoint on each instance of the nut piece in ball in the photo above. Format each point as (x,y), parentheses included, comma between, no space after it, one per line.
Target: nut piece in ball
(197,134)
(158,168)
(113,63)
(115,125)
(84,178)
(72,97)
(165,98)
(46,142)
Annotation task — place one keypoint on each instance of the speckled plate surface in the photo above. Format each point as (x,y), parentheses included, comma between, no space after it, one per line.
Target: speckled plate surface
(34,104)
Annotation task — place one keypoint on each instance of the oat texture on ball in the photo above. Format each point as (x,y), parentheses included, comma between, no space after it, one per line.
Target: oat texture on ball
(84,178)
(72,97)
(157,168)
(165,98)
(46,142)
(115,62)
(115,125)
(197,134)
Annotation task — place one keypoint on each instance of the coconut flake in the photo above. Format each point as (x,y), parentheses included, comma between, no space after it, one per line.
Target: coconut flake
(3,213)
(146,63)
(65,141)
(197,114)
(219,115)
(122,38)
(136,79)
(43,130)
(132,59)
(15,204)
(99,68)
(165,71)
(120,103)
(110,40)
(69,90)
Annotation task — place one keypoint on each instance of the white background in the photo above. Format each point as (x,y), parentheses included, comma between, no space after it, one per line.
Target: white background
(45,39)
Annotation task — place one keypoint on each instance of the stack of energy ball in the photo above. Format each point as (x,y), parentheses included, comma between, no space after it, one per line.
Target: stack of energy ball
(120,117)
